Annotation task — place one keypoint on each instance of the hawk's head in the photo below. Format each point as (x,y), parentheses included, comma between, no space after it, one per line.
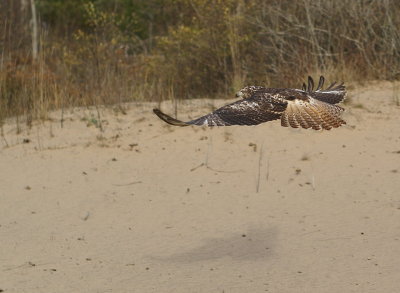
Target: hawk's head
(247,91)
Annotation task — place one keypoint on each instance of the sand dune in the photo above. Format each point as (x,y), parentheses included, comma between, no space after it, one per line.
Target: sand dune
(145,207)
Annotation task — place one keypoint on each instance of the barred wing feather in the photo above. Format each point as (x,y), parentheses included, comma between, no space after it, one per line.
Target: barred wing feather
(303,108)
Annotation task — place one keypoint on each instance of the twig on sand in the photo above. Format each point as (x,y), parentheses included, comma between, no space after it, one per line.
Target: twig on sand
(62,116)
(25,265)
(38,139)
(195,168)
(100,125)
(131,183)
(312,177)
(223,171)
(215,170)
(3,136)
(205,163)
(313,181)
(86,217)
(208,149)
(259,167)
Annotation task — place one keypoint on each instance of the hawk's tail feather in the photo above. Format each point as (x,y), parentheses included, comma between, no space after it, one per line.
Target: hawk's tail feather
(169,119)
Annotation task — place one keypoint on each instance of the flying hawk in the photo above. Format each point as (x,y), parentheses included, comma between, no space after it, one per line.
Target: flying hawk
(304,107)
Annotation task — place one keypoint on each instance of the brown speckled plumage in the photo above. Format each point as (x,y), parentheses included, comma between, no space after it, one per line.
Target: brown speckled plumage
(296,108)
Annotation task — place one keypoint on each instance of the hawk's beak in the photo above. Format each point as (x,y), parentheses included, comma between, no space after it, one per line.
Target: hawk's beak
(239,94)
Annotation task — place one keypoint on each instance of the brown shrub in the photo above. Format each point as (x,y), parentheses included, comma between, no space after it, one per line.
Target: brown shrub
(210,48)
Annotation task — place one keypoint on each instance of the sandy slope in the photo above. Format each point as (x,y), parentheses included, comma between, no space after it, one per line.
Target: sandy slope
(145,207)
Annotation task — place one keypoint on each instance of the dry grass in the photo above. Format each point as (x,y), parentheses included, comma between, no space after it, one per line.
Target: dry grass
(210,51)
(396,93)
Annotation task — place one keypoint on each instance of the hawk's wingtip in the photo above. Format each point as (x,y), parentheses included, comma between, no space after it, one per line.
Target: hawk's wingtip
(168,119)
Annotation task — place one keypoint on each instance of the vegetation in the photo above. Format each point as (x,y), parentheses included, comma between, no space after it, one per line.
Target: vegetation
(91,52)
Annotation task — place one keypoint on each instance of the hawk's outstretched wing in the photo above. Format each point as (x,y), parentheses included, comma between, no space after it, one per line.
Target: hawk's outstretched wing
(259,108)
(311,113)
(296,108)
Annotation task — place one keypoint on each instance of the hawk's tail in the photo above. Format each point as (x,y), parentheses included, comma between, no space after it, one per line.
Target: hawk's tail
(169,119)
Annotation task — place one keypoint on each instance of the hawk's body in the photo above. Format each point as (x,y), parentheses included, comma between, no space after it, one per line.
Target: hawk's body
(304,108)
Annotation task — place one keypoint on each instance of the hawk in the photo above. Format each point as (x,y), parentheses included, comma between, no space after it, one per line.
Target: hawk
(306,107)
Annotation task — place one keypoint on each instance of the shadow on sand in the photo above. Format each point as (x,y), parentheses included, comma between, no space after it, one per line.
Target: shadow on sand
(254,245)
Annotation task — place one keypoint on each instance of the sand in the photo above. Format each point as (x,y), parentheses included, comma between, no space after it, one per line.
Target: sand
(146,207)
